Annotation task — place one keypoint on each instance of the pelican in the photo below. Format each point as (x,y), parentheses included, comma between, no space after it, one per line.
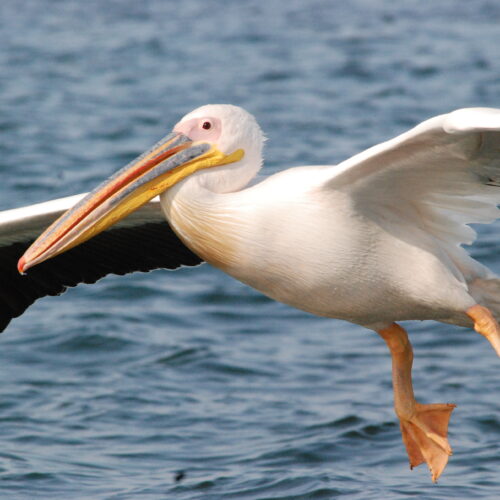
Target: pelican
(374,240)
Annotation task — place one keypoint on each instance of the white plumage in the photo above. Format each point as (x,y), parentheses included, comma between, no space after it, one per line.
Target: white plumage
(374,240)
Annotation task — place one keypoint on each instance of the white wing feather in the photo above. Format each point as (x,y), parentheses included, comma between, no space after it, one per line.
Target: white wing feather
(22,224)
(438,177)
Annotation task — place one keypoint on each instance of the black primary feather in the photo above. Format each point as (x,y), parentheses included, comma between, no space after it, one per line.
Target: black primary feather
(116,251)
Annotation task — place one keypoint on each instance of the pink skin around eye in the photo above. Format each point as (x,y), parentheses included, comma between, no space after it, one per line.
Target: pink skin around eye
(196,132)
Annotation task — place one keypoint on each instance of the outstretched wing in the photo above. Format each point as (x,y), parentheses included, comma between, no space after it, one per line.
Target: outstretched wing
(437,178)
(141,242)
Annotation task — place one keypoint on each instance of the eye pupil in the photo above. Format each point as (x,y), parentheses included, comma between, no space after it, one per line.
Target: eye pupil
(207,125)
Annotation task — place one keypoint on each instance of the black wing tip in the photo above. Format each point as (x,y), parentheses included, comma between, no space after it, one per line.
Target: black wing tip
(138,248)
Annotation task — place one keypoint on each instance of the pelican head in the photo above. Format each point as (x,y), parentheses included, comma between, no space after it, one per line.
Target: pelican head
(217,146)
(230,128)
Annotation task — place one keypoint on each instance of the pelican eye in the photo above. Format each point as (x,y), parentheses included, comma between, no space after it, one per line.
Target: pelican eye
(206,125)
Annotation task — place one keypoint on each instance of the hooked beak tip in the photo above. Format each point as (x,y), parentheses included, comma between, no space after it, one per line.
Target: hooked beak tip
(21,265)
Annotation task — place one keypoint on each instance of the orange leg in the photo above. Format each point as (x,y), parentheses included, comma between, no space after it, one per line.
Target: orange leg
(424,427)
(486,325)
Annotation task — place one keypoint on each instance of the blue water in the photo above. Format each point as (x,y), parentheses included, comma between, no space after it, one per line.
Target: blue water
(115,390)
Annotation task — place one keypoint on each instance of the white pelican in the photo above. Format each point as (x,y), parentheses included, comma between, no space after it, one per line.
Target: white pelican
(374,240)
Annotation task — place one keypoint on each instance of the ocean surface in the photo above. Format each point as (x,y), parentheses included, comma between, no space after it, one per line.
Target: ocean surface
(189,385)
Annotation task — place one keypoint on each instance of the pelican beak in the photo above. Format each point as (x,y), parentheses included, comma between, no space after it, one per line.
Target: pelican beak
(165,164)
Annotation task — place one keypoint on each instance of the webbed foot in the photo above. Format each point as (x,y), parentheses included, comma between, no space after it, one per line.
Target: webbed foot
(425,436)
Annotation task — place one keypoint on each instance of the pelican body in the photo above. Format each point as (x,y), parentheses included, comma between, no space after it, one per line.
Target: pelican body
(374,240)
